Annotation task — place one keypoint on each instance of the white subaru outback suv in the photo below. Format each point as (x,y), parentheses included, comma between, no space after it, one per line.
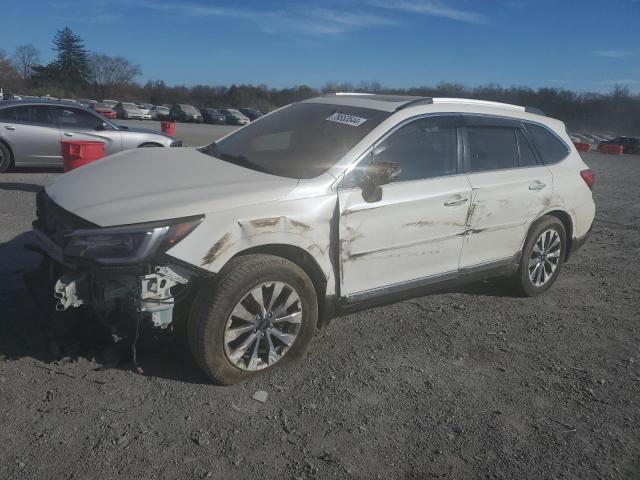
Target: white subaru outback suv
(321,208)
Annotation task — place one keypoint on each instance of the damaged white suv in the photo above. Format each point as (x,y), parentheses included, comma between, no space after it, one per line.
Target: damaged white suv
(321,208)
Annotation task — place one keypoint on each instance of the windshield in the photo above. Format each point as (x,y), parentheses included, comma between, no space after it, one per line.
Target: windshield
(130,105)
(302,140)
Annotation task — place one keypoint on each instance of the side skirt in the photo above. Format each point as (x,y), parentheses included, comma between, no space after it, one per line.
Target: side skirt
(421,287)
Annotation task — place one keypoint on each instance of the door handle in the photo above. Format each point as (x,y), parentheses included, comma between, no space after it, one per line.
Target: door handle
(9,127)
(68,134)
(537,185)
(455,203)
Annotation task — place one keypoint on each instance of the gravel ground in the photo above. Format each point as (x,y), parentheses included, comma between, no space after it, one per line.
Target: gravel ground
(191,134)
(471,383)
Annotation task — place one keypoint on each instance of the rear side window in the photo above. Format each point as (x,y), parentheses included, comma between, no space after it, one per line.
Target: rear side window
(425,148)
(491,148)
(551,149)
(527,157)
(28,114)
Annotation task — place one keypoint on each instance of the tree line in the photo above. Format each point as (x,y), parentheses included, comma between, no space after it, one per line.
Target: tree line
(78,73)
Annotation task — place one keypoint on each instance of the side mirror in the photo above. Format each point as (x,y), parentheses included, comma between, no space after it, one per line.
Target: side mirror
(376,174)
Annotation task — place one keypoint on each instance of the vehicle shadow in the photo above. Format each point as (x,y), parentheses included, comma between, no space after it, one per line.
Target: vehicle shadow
(21,187)
(30,327)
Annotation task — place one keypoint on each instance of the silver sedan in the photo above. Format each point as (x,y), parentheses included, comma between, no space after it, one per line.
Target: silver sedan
(31,132)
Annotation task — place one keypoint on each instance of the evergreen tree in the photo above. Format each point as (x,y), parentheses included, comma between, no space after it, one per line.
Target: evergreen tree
(72,61)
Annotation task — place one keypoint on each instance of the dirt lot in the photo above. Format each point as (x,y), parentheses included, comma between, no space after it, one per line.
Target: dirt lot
(465,384)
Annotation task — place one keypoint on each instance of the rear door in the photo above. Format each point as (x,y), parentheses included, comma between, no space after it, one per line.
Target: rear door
(78,124)
(32,134)
(510,189)
(415,231)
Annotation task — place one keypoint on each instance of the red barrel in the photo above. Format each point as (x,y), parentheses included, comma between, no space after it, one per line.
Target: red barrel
(76,153)
(582,146)
(612,149)
(169,128)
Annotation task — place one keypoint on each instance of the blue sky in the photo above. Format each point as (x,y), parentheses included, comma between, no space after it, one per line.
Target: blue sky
(585,45)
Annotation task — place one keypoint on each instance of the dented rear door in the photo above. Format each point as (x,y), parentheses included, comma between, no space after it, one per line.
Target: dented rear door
(511,188)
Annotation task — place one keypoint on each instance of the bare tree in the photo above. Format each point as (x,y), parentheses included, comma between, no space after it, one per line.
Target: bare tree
(24,59)
(9,76)
(108,73)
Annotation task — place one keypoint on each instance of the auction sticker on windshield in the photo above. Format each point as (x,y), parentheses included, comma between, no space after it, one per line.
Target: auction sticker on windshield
(346,119)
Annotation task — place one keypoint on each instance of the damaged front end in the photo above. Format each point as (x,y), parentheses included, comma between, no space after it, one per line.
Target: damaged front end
(116,273)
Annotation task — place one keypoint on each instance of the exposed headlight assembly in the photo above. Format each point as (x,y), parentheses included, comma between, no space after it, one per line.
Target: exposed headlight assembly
(128,244)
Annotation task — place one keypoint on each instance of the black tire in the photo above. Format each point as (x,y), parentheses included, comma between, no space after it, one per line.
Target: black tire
(6,159)
(217,298)
(521,281)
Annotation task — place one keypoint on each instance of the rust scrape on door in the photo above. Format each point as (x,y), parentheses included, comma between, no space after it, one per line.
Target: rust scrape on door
(275,224)
(219,247)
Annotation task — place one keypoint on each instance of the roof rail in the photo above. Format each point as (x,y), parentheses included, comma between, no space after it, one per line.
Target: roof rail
(349,93)
(417,101)
(486,103)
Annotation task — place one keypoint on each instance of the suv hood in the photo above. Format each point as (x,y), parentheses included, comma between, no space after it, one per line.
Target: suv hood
(150,184)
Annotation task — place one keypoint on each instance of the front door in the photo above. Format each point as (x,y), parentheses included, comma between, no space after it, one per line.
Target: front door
(415,231)
(78,124)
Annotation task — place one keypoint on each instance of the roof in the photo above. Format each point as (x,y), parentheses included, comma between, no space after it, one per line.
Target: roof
(392,103)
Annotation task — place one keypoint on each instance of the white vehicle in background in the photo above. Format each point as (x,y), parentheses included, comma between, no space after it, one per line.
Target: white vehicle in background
(129,111)
(110,103)
(145,108)
(316,210)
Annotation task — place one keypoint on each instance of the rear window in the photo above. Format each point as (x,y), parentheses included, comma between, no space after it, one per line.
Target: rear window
(302,140)
(551,149)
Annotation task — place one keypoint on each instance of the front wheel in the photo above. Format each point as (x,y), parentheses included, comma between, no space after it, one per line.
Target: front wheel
(542,257)
(259,313)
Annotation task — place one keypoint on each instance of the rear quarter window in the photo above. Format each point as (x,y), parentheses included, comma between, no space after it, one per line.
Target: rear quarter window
(551,148)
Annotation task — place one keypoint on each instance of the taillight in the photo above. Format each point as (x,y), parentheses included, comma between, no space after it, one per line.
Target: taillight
(589,178)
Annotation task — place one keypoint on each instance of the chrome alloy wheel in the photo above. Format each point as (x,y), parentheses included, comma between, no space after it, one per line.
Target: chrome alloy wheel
(263,326)
(545,257)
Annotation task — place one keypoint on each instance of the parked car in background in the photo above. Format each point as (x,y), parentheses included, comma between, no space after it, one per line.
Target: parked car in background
(213,116)
(111,103)
(104,110)
(235,117)
(146,112)
(185,113)
(628,144)
(128,111)
(251,113)
(325,207)
(160,112)
(31,132)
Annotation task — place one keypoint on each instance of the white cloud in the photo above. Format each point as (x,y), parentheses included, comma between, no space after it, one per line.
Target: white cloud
(431,8)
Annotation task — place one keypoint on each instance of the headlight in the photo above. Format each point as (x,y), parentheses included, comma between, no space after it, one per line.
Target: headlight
(130,243)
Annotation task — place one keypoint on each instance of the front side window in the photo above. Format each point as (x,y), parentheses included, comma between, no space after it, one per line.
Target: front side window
(424,148)
(491,148)
(302,140)
(551,149)
(73,118)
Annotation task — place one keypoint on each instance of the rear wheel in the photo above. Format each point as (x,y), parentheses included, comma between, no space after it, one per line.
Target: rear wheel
(261,312)
(542,257)
(6,160)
